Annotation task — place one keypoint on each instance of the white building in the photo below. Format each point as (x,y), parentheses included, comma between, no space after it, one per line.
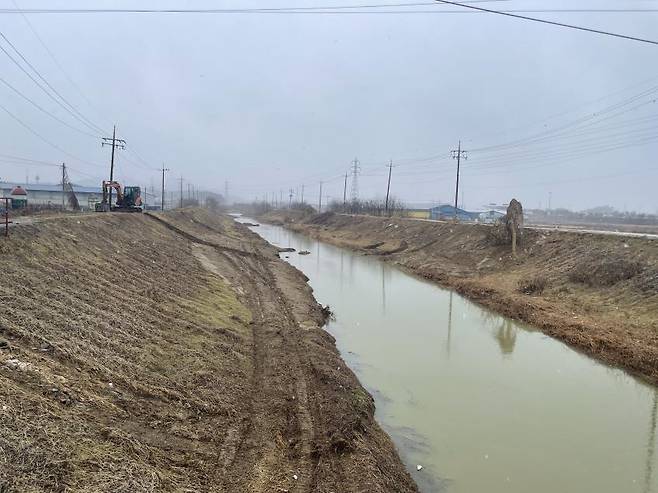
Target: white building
(52,195)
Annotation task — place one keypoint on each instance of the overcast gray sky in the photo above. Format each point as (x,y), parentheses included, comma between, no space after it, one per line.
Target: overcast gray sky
(273,101)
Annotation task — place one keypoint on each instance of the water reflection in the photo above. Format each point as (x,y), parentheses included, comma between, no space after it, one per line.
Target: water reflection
(449,332)
(651,445)
(342,256)
(383,288)
(506,336)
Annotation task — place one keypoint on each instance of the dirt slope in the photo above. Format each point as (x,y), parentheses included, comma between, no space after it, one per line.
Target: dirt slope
(597,293)
(173,353)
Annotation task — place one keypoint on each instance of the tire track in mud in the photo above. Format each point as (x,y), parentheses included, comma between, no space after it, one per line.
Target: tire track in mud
(276,442)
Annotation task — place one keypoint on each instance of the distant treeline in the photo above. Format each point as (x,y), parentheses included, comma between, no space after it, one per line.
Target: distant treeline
(373,207)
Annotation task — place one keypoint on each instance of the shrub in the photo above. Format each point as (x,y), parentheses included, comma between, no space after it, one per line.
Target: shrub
(533,285)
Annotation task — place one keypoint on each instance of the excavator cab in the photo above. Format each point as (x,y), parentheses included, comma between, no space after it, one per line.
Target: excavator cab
(132,197)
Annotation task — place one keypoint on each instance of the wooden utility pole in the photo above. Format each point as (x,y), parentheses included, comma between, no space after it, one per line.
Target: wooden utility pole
(458,155)
(181,192)
(114,142)
(163,185)
(320,200)
(388,187)
(302,198)
(63,185)
(345,193)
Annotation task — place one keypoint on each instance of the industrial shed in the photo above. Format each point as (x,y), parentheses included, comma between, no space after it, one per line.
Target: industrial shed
(53,195)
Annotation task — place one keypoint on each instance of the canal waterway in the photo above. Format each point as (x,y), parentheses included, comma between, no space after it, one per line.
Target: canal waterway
(481,402)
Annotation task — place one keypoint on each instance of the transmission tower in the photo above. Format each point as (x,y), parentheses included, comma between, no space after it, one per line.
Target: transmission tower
(356,169)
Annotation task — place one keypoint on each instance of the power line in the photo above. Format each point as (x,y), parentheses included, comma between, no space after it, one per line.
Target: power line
(41,137)
(226,11)
(27,160)
(54,59)
(553,23)
(73,108)
(43,110)
(70,110)
(336,10)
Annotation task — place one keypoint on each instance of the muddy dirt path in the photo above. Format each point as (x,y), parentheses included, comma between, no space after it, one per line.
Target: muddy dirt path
(294,438)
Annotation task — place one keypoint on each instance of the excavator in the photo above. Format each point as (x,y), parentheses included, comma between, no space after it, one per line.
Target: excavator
(129,199)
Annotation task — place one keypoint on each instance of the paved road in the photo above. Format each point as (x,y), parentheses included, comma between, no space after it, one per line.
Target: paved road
(561,228)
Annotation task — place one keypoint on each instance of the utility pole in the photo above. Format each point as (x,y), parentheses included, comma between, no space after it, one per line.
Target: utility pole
(345,193)
(163,185)
(181,192)
(355,179)
(388,187)
(550,196)
(63,185)
(302,198)
(114,142)
(320,200)
(290,199)
(281,198)
(458,155)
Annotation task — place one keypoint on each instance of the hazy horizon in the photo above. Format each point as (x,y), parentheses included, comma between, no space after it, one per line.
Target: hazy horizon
(273,101)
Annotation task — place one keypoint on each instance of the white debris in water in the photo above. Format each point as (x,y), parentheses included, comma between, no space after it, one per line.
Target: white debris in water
(419,467)
(294,476)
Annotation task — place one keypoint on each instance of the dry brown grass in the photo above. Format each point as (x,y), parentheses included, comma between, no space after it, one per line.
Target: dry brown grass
(133,354)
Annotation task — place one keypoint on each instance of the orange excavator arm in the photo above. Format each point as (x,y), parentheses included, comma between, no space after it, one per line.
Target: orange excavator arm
(107,185)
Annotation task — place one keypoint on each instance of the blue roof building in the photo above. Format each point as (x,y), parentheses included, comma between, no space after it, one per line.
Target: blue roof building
(447,211)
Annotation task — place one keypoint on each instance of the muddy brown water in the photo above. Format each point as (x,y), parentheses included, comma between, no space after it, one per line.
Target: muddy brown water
(483,403)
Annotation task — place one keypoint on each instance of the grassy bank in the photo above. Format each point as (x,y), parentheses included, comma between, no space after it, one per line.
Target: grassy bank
(173,353)
(597,293)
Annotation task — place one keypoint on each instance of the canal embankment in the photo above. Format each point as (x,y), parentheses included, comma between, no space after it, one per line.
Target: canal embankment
(597,293)
(174,352)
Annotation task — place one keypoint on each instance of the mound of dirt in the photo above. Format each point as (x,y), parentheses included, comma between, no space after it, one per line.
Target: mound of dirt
(606,271)
(320,219)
